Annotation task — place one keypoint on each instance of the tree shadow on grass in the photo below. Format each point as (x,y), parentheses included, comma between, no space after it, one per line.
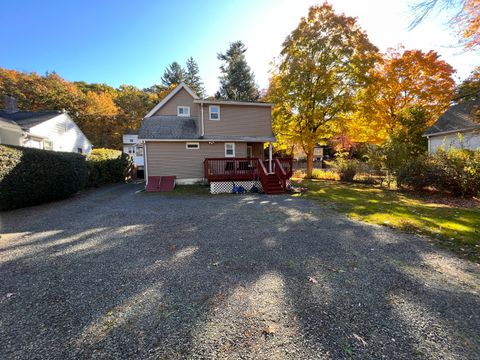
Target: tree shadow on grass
(222,277)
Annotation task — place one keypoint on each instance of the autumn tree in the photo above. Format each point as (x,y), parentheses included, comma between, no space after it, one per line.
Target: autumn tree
(463,15)
(324,63)
(404,79)
(237,81)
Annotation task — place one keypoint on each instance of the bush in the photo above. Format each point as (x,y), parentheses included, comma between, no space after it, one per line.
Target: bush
(455,170)
(345,168)
(32,176)
(418,173)
(106,166)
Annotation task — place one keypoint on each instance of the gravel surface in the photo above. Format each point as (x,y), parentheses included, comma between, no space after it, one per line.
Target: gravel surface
(114,274)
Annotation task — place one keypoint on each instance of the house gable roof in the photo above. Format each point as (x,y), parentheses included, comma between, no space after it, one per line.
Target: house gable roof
(28,119)
(171,95)
(458,117)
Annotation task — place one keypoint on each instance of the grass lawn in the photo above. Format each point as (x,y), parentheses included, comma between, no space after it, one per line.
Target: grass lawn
(455,227)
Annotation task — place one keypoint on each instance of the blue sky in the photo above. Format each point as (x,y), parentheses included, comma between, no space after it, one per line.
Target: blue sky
(131,42)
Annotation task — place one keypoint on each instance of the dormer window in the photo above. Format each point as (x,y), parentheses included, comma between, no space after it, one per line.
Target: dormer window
(183,111)
(214,111)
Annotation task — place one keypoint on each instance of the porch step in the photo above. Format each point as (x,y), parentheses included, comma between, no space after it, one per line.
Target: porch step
(273,185)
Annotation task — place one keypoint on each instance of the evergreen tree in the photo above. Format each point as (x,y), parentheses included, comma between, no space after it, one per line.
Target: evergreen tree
(237,81)
(174,74)
(192,77)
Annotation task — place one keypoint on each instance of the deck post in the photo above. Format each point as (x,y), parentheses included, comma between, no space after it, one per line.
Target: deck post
(269,157)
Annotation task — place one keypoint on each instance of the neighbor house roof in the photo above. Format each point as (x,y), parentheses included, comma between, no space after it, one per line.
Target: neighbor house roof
(170,128)
(460,117)
(28,119)
(9,124)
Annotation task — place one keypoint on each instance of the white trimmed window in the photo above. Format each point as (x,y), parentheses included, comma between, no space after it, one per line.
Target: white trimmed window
(229,149)
(183,111)
(214,112)
(193,145)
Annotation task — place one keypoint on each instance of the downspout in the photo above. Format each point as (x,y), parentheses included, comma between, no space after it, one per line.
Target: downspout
(201,112)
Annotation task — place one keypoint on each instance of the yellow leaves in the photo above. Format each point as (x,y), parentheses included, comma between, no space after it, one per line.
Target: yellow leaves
(100,104)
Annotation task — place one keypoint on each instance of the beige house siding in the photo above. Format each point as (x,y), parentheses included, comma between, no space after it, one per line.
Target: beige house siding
(173,158)
(239,120)
(182,98)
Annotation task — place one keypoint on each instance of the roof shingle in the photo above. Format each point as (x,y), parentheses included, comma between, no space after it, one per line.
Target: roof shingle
(458,117)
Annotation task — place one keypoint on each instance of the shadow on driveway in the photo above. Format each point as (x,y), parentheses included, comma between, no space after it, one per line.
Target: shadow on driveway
(114,274)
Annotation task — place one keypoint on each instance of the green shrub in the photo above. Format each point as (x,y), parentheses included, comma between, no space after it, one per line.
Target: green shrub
(458,171)
(106,166)
(345,168)
(418,173)
(32,176)
(455,170)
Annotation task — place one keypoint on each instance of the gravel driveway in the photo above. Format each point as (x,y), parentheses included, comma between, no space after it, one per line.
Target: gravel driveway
(114,274)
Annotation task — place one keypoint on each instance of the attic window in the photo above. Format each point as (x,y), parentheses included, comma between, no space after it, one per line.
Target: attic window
(183,111)
(214,111)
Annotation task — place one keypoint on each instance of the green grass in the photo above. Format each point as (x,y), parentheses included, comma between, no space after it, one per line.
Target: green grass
(454,227)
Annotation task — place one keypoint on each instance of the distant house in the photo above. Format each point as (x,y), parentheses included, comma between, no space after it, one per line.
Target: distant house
(52,130)
(222,142)
(134,148)
(457,127)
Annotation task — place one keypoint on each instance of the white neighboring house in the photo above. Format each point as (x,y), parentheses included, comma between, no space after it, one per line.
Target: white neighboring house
(458,127)
(52,130)
(134,148)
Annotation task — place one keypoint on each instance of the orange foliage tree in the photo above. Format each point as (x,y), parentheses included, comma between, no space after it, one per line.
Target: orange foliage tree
(404,79)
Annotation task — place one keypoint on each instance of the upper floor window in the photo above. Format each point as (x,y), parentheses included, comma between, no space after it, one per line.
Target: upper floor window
(214,112)
(183,110)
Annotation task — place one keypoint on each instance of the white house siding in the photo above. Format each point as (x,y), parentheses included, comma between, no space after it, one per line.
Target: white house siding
(64,133)
(10,136)
(470,140)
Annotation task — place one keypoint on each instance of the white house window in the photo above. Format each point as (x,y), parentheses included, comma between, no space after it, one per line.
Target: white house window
(214,111)
(229,149)
(183,110)
(193,145)
(139,151)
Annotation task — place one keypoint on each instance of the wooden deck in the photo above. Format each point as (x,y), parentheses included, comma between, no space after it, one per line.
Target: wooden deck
(250,169)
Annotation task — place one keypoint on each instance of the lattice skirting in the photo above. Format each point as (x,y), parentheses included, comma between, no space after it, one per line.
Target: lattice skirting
(222,187)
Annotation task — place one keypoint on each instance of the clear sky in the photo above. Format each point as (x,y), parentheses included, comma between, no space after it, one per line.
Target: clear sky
(132,41)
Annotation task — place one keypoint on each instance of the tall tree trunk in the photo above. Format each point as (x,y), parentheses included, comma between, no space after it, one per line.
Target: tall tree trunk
(309,162)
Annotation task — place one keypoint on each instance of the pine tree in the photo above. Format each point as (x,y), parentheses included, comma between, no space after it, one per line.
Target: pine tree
(192,77)
(237,81)
(174,74)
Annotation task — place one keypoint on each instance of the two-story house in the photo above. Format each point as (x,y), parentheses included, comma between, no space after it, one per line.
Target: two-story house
(222,142)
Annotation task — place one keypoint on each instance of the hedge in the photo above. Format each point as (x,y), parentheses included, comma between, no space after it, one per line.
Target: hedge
(455,170)
(32,176)
(106,166)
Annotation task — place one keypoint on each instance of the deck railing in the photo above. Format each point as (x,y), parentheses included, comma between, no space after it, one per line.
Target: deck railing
(231,169)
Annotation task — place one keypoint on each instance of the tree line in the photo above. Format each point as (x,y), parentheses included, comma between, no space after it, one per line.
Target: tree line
(104,112)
